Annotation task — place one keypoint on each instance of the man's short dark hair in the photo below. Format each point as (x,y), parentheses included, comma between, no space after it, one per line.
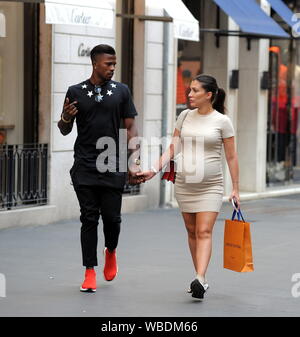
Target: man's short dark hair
(102,49)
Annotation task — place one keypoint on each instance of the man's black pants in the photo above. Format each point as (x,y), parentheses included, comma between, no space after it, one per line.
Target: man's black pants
(93,201)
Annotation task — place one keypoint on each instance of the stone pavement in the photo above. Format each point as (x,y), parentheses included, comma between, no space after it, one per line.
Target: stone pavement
(43,272)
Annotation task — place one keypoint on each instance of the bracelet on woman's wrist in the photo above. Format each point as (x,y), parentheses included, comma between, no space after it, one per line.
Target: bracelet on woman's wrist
(153,169)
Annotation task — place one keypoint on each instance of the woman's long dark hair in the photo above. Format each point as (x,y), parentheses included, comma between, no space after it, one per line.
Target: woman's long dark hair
(209,83)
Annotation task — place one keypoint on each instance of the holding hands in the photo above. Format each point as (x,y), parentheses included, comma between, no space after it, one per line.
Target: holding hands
(147,175)
(140,176)
(135,177)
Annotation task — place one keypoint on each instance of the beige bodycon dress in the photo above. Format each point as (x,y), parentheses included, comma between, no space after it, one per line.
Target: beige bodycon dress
(199,177)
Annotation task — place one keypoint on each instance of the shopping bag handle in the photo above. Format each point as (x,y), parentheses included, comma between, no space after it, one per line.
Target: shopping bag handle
(236,211)
(239,214)
(234,204)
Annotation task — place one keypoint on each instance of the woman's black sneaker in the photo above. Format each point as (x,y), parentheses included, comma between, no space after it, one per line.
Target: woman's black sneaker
(197,289)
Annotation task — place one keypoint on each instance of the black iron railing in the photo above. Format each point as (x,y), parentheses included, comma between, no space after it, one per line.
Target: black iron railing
(23,175)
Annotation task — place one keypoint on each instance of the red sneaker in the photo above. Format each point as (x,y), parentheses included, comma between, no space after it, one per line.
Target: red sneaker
(89,284)
(110,268)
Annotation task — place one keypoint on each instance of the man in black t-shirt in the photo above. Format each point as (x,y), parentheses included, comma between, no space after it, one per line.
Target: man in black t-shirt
(98,174)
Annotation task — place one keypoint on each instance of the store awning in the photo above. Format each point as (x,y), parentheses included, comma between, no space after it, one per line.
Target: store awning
(251,18)
(2,25)
(186,27)
(283,11)
(77,12)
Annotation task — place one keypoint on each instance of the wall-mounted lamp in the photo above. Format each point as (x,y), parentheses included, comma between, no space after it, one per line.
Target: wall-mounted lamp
(234,79)
(264,83)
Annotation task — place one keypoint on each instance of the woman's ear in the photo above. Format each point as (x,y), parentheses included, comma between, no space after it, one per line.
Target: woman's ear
(209,95)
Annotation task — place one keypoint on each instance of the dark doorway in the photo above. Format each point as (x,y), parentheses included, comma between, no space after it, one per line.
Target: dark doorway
(127,44)
(31,72)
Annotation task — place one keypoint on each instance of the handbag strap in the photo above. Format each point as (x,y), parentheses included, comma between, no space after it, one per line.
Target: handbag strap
(187,111)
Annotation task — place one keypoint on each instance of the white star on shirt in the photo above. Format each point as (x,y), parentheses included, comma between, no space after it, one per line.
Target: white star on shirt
(113,85)
(109,92)
(84,86)
(90,94)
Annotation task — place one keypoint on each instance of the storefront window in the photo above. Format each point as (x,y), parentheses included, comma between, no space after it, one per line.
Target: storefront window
(295,130)
(188,67)
(278,113)
(283,141)
(188,61)
(283,161)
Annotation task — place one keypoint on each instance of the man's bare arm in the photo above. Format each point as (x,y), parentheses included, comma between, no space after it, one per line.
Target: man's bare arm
(132,133)
(134,153)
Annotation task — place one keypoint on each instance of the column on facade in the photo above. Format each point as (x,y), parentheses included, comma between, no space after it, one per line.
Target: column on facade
(171,56)
(252,115)
(219,61)
(153,94)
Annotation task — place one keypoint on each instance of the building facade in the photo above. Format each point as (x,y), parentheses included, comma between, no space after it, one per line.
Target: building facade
(38,61)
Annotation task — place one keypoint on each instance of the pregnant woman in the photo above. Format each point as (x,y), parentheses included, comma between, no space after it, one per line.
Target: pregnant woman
(199,135)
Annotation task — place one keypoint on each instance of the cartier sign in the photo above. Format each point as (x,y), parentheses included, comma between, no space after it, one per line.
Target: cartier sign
(96,13)
(83,50)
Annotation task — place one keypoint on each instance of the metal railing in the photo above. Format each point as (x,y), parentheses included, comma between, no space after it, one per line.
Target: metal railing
(23,175)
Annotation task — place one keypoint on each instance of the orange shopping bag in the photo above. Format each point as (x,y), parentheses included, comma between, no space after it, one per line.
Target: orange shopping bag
(237,244)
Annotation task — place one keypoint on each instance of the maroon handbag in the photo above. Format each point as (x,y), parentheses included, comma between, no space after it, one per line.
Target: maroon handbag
(171,174)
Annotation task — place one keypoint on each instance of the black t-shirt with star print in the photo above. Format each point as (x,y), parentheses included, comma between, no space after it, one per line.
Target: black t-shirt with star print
(99,115)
